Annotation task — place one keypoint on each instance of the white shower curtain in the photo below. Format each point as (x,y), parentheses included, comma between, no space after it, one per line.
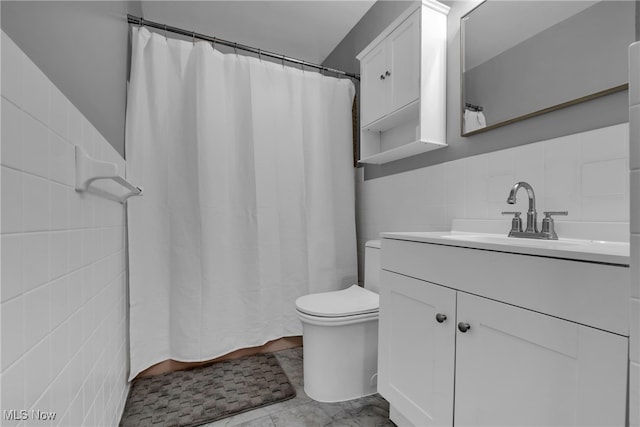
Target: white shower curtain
(248,198)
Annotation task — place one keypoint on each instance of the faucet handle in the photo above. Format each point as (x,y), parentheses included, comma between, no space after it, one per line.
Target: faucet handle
(516,222)
(548,228)
(549,213)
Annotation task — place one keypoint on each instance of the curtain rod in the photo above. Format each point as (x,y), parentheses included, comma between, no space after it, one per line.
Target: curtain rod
(141,21)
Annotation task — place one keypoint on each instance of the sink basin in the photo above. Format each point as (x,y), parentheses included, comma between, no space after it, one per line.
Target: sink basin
(579,249)
(505,240)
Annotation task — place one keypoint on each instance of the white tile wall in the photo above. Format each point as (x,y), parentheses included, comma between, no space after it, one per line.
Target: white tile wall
(634,165)
(585,173)
(634,330)
(62,310)
(634,395)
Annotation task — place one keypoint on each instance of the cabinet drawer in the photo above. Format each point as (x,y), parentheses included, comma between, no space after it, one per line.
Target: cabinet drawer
(587,293)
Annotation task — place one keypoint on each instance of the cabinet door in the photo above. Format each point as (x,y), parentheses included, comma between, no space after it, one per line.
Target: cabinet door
(374,89)
(515,367)
(404,63)
(416,352)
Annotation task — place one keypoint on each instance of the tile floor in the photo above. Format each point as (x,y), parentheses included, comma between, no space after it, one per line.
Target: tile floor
(302,411)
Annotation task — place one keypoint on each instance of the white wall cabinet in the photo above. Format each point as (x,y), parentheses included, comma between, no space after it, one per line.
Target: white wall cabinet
(403,86)
(512,367)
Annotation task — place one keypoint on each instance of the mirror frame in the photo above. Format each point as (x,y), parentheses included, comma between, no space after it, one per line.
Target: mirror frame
(569,103)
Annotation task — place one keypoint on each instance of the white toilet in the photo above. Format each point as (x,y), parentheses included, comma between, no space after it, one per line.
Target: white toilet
(340,334)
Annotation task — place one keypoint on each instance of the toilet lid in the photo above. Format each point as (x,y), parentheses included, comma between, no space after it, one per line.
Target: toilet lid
(347,302)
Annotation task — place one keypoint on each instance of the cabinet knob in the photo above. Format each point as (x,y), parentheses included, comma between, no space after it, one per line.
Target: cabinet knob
(441,317)
(387,73)
(381,76)
(464,327)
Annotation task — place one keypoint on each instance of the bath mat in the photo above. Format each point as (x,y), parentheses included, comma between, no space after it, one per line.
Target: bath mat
(205,394)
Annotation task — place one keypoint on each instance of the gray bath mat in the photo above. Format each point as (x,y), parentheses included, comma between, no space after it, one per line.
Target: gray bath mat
(205,394)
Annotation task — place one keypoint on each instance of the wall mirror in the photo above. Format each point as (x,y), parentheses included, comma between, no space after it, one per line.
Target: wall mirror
(525,58)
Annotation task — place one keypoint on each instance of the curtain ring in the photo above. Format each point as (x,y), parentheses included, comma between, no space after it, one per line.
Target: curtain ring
(260,54)
(193,37)
(165,32)
(282,61)
(140,23)
(213,43)
(235,48)
(302,66)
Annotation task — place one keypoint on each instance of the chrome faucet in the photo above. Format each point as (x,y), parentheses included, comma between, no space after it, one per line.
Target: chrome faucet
(531,231)
(532,215)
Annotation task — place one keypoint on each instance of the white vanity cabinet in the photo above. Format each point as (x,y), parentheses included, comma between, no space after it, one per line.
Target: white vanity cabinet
(523,361)
(403,86)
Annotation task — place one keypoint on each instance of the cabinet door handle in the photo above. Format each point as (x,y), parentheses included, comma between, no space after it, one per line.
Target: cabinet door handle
(464,327)
(441,317)
(381,76)
(387,73)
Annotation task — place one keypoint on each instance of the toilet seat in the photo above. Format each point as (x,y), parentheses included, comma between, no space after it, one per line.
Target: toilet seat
(353,301)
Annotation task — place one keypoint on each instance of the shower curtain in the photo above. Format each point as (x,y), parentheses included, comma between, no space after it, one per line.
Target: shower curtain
(248,198)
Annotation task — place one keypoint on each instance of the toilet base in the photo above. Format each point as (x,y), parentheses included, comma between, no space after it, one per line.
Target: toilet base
(340,362)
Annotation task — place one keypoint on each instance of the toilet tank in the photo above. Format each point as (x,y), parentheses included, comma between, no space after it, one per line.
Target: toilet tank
(372,265)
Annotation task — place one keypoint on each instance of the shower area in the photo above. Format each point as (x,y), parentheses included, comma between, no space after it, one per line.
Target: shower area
(247,168)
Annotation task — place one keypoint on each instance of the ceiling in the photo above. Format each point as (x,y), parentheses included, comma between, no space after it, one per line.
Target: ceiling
(302,29)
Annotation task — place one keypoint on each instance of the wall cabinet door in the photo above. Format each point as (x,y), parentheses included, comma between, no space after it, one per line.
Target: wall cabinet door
(516,367)
(390,73)
(374,89)
(416,351)
(403,74)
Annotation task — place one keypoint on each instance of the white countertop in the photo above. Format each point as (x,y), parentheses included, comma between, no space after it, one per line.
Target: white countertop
(602,251)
